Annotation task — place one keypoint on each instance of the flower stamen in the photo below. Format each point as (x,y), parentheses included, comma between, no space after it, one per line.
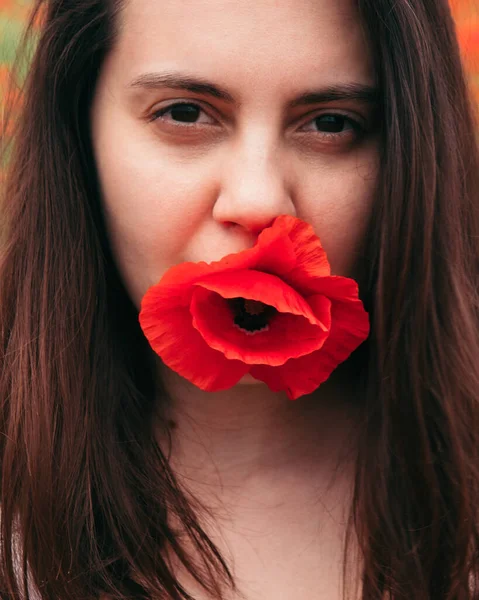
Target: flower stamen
(251,316)
(254,307)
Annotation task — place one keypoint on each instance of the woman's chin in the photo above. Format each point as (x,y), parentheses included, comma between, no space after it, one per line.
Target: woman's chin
(249,379)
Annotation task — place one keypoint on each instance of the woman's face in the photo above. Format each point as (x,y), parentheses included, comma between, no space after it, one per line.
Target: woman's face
(212,117)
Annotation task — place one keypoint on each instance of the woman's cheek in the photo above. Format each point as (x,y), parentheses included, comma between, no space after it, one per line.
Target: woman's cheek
(341,215)
(151,223)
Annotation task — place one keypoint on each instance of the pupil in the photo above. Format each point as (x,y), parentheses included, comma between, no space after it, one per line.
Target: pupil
(250,315)
(331,123)
(185,112)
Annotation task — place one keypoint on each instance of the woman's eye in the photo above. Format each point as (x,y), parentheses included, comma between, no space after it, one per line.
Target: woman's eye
(182,113)
(330,127)
(335,124)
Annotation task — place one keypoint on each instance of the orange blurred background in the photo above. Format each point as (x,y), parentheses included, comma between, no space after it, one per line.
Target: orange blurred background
(466,13)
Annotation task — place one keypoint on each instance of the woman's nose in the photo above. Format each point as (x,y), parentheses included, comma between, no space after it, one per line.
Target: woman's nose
(255,188)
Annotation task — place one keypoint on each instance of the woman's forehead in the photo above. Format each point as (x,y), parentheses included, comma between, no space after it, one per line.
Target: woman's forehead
(244,43)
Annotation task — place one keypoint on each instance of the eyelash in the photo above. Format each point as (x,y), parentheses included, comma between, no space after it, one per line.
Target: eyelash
(358,128)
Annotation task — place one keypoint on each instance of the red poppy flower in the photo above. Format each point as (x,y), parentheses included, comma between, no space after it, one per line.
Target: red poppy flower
(273,310)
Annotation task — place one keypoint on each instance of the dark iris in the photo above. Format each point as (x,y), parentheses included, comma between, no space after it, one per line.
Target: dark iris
(185,112)
(331,123)
(248,321)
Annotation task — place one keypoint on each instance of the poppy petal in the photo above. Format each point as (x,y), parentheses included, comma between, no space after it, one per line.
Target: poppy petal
(167,326)
(275,255)
(321,306)
(335,286)
(264,287)
(349,328)
(311,260)
(287,335)
(311,321)
(276,252)
(289,246)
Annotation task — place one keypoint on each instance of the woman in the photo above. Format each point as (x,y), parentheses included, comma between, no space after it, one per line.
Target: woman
(154,133)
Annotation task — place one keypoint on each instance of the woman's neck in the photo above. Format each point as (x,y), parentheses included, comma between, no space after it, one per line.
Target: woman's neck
(248,435)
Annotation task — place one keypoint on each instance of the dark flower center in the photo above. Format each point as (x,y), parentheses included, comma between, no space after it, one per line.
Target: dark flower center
(251,315)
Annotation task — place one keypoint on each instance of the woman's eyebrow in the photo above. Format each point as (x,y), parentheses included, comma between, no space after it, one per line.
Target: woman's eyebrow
(193,83)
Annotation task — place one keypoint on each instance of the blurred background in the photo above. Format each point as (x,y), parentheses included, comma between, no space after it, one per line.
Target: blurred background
(466,13)
(13,14)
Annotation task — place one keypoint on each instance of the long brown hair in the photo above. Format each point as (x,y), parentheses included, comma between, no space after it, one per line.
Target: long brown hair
(89,504)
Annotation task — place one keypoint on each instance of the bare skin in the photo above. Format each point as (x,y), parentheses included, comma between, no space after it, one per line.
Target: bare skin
(188,189)
(277,480)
